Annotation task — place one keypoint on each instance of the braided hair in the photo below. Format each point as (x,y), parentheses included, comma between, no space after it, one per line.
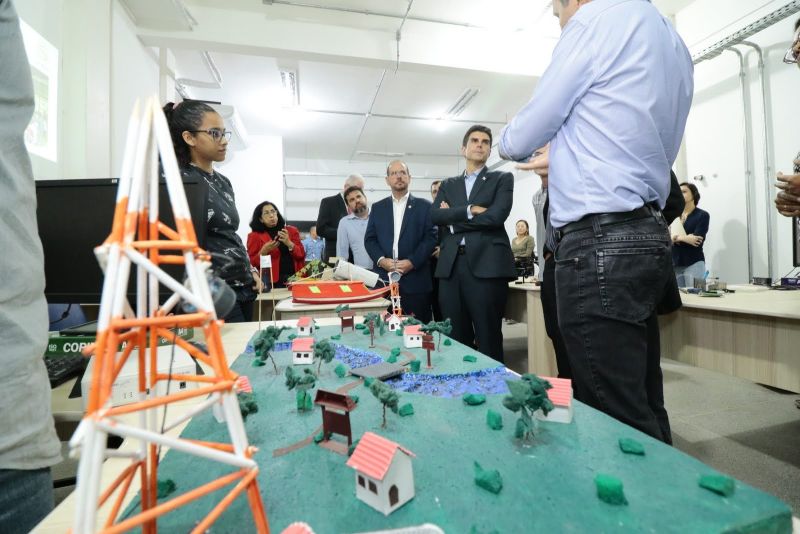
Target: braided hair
(181,117)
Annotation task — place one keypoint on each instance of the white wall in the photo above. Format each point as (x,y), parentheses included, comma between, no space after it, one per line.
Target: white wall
(134,75)
(304,193)
(714,134)
(103,69)
(256,174)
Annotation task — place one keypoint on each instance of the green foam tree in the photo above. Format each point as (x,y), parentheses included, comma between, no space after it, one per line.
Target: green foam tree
(324,351)
(262,345)
(387,396)
(441,327)
(527,395)
(303,382)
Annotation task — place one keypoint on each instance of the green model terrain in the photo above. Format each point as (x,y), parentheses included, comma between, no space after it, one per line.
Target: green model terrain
(548,484)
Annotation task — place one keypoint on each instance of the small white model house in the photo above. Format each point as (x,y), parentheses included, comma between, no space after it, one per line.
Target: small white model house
(305,326)
(384,474)
(394,322)
(412,336)
(561,397)
(303,351)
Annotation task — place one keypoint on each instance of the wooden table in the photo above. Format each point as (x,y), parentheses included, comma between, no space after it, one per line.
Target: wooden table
(286,309)
(266,302)
(749,334)
(524,304)
(753,333)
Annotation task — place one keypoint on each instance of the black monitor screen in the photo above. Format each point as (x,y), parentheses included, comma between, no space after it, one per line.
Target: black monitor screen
(75,216)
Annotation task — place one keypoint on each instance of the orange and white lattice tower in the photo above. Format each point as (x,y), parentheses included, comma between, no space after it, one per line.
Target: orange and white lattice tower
(139,245)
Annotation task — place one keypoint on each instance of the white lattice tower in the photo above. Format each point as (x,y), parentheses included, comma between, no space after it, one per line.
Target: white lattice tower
(139,239)
(394,288)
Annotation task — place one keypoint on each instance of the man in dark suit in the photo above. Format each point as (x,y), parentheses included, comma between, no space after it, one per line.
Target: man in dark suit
(475,259)
(400,237)
(331,211)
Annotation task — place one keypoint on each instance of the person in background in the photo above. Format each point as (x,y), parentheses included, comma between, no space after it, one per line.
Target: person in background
(332,210)
(475,262)
(29,445)
(200,140)
(687,251)
(272,236)
(787,201)
(400,238)
(435,306)
(352,228)
(314,245)
(540,164)
(523,244)
(618,67)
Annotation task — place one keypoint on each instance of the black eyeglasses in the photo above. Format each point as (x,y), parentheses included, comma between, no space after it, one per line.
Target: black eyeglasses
(215,133)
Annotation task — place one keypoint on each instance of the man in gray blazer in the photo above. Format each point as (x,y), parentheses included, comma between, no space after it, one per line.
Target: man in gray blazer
(475,260)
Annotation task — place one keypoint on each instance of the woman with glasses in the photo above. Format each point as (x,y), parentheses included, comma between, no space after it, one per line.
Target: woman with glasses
(272,236)
(200,140)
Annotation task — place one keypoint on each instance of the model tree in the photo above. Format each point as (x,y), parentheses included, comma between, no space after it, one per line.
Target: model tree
(371,319)
(527,395)
(262,345)
(324,352)
(443,327)
(303,382)
(387,396)
(341,308)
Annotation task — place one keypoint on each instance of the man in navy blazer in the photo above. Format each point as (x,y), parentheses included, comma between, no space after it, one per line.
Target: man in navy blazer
(401,237)
(475,261)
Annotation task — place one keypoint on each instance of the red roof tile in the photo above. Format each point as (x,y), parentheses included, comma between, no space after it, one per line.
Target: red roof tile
(374,454)
(412,330)
(561,393)
(304,321)
(302,344)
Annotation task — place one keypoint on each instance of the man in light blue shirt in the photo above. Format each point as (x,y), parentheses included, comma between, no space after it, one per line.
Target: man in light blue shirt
(314,245)
(613,105)
(352,228)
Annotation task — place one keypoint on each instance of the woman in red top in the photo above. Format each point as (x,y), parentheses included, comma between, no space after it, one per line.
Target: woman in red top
(271,235)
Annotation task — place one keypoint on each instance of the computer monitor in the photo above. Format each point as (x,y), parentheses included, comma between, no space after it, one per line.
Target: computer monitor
(74,216)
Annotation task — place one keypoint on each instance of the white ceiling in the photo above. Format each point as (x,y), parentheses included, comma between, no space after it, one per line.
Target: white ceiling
(357,103)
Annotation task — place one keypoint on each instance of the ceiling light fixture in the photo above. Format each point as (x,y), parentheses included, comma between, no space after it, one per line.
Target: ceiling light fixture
(290,90)
(461,104)
(212,67)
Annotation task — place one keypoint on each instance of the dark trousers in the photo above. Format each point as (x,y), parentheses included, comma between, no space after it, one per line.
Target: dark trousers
(418,304)
(550,312)
(26,497)
(475,307)
(437,309)
(242,312)
(609,280)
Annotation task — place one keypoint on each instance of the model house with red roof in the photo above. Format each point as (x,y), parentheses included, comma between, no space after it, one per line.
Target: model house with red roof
(561,397)
(384,474)
(303,351)
(305,326)
(412,336)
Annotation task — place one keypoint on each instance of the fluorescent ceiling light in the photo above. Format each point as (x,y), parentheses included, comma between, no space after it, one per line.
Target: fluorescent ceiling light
(290,90)
(461,104)
(212,67)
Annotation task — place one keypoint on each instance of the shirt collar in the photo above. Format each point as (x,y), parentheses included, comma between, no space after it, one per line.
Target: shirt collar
(474,174)
(402,199)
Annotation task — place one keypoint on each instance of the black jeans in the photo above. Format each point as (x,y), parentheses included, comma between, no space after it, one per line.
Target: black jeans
(609,280)
(550,313)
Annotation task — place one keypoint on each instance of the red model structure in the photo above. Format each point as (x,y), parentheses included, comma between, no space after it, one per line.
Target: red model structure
(336,408)
(333,292)
(140,243)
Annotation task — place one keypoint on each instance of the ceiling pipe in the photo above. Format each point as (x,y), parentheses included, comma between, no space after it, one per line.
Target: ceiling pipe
(767,152)
(378,14)
(368,114)
(747,149)
(748,31)
(740,38)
